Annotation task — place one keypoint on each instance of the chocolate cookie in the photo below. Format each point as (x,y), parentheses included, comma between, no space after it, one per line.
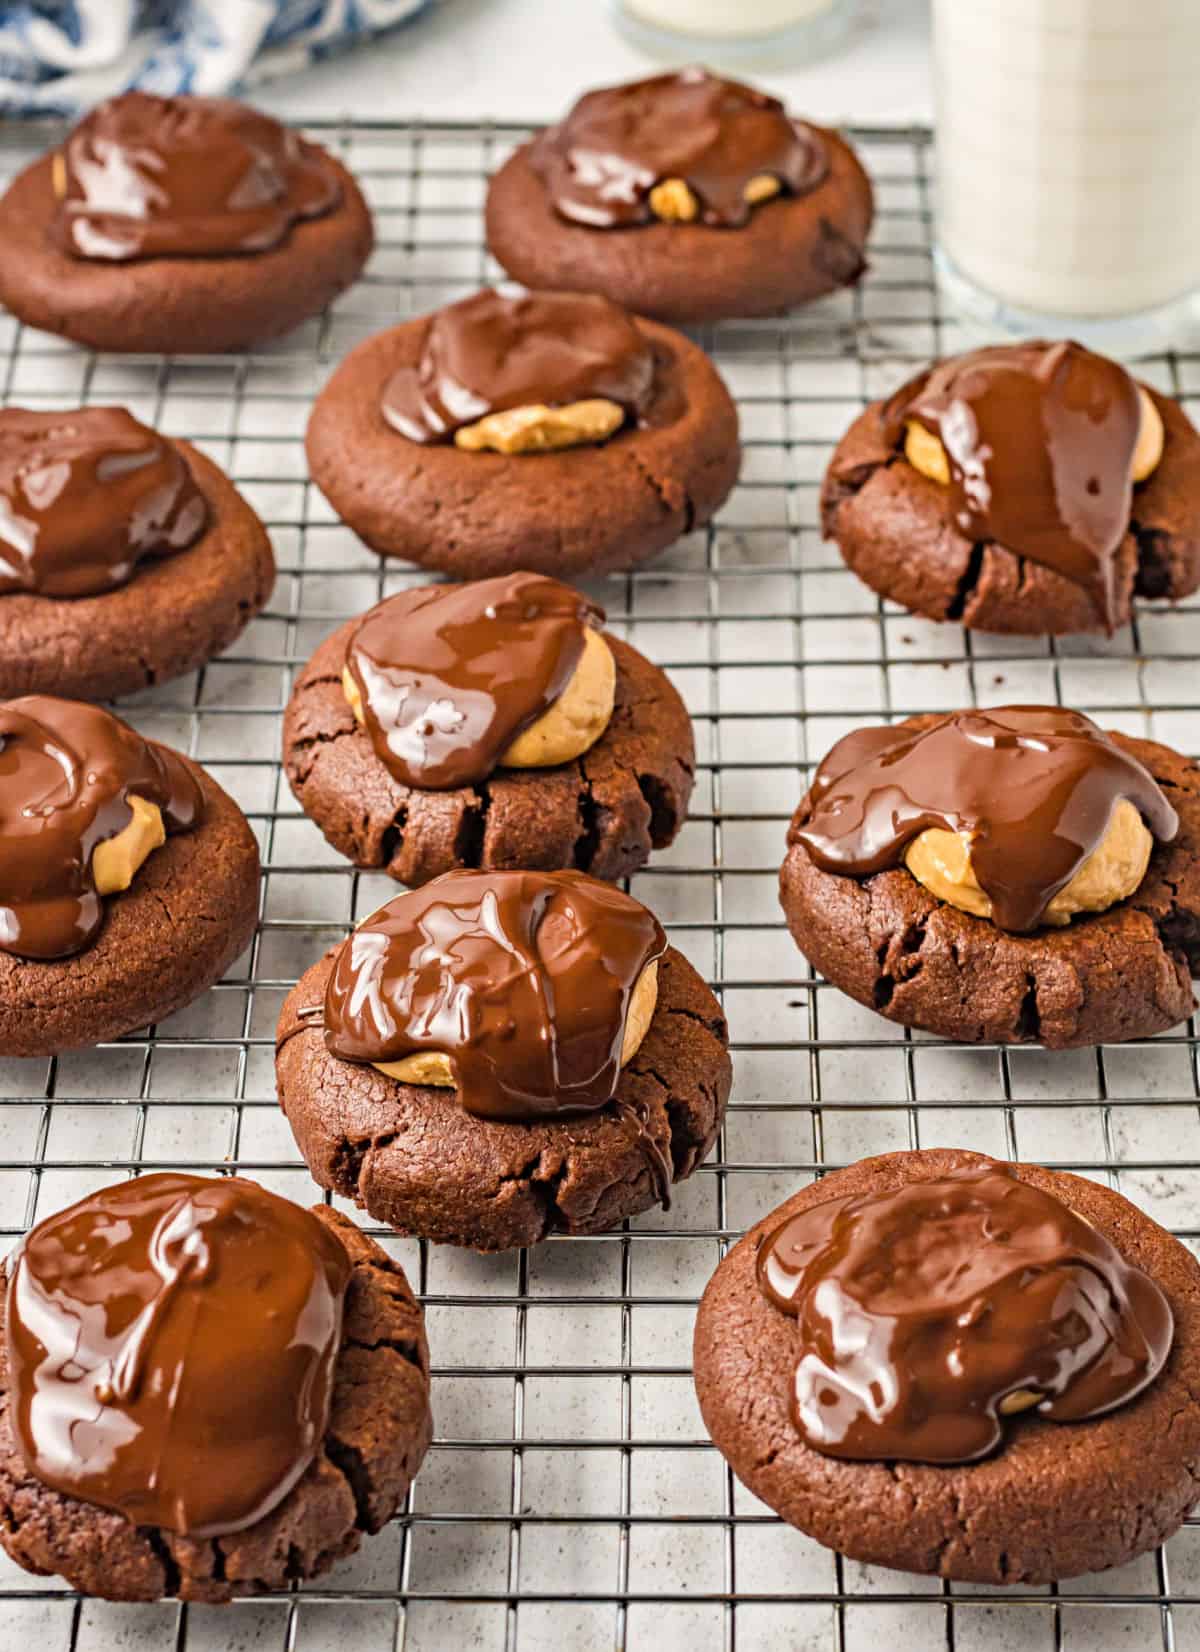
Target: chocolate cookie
(804,242)
(895,529)
(173,613)
(412,1156)
(286,230)
(584,509)
(602,812)
(1117,974)
(379,1430)
(1053,1501)
(189,911)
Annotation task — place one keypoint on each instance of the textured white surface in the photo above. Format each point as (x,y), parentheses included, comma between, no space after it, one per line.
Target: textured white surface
(527,59)
(567,1437)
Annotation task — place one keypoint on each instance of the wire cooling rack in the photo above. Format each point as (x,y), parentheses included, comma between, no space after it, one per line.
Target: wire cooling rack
(572,1500)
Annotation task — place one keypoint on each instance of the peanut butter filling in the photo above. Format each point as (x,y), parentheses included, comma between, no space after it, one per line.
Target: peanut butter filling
(925,452)
(116,861)
(941,860)
(432,1067)
(571,726)
(542,429)
(674,202)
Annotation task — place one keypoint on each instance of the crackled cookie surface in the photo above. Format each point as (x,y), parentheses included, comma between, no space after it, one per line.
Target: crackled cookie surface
(498,1056)
(1020,488)
(490,725)
(1027,878)
(205,1391)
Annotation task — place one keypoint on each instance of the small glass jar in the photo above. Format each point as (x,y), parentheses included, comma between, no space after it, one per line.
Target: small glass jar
(732,32)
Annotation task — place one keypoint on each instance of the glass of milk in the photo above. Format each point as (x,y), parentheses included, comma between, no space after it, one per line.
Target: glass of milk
(732,31)
(1068,152)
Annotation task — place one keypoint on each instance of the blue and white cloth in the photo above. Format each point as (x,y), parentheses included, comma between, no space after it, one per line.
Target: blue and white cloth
(62,56)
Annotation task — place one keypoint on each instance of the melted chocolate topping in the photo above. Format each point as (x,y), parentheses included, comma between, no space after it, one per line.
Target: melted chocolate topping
(186,177)
(66,772)
(600,164)
(171,1349)
(920,1311)
(523,979)
(85,496)
(450,675)
(1035,785)
(1040,440)
(307,1018)
(662,1171)
(492,352)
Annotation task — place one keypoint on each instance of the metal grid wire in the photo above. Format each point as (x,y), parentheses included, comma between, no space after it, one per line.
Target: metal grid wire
(571,1498)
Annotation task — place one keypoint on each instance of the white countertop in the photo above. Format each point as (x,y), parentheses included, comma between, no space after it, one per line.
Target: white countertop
(527,59)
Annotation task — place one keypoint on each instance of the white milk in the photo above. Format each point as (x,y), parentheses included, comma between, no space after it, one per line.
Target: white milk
(1068,151)
(727,19)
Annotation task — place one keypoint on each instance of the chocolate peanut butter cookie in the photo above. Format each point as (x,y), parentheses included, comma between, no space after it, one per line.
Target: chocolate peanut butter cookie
(981,1371)
(180,225)
(1033,488)
(685,197)
(205,1391)
(1013,875)
(552,431)
(128,879)
(488,725)
(502,1055)
(125,558)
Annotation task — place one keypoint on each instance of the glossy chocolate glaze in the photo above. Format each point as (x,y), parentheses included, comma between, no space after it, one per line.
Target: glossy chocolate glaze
(66,770)
(1040,441)
(450,675)
(171,1349)
(1036,785)
(600,164)
(524,979)
(495,351)
(635,1113)
(662,1172)
(190,177)
(307,1018)
(920,1311)
(84,496)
